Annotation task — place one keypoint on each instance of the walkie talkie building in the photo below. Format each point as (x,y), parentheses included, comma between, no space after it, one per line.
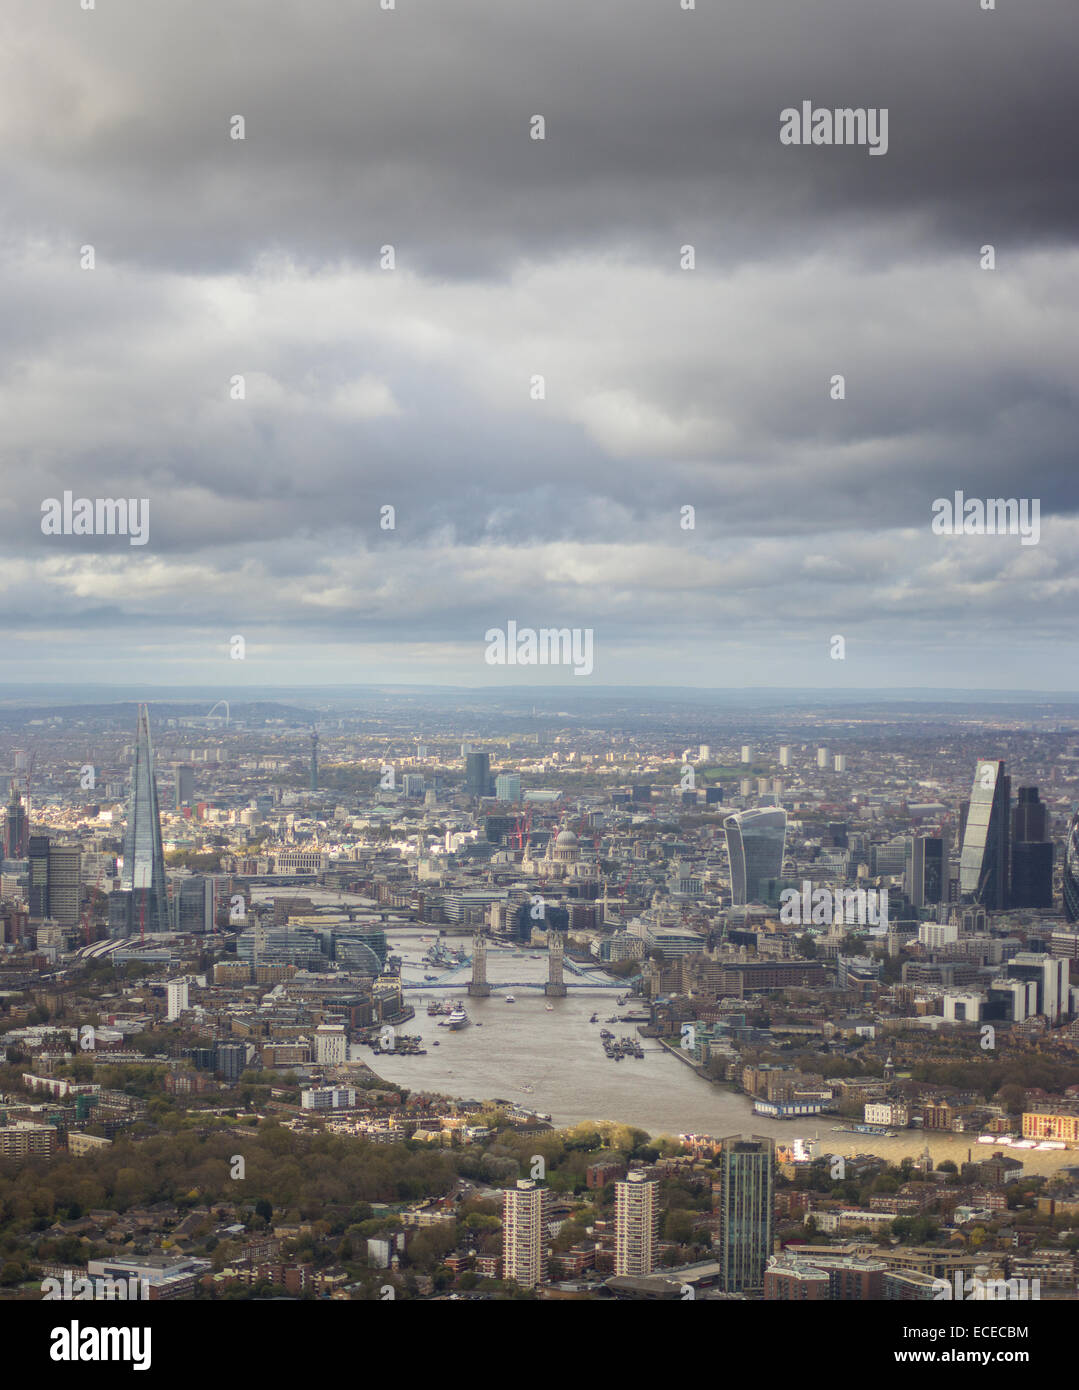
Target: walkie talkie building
(755,843)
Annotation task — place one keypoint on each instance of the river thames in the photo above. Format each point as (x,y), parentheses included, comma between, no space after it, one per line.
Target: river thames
(553,1063)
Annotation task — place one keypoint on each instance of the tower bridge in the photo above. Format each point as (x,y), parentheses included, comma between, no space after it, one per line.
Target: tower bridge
(555,986)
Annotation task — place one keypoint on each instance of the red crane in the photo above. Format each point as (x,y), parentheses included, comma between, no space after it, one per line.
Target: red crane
(522,827)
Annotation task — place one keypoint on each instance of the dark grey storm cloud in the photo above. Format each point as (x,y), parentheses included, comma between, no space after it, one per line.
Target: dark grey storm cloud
(664,387)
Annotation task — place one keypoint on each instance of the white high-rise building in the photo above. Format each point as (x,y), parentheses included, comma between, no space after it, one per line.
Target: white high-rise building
(747,752)
(784,755)
(822,757)
(936,935)
(705,753)
(177,998)
(508,786)
(331,1045)
(1050,974)
(636,1225)
(525,1216)
(840,762)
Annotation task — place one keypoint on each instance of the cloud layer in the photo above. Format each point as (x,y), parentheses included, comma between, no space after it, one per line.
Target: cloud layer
(414,387)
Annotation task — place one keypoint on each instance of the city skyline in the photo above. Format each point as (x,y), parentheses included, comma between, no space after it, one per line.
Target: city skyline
(539,745)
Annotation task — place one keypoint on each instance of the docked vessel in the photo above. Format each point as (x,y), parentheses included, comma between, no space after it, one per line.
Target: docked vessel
(458,1018)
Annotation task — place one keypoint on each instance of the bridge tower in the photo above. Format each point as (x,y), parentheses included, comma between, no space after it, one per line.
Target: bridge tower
(555,987)
(479,988)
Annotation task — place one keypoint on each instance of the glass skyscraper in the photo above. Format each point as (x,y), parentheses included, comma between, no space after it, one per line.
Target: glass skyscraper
(926,885)
(16,827)
(755,844)
(142,901)
(1071,870)
(477,773)
(745,1211)
(984,862)
(1032,852)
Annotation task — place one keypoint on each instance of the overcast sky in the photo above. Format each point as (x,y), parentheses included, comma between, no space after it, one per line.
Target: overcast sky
(665,387)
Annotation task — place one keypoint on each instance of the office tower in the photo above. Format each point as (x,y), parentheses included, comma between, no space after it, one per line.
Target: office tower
(704,754)
(421,751)
(313,784)
(985,859)
(784,755)
(747,752)
(755,843)
(1013,1001)
(745,1211)
(192,904)
(508,787)
(412,784)
(176,990)
(636,1225)
(331,1045)
(1030,819)
(65,884)
(1071,869)
(822,758)
(926,884)
(1050,975)
(1032,852)
(185,785)
(525,1215)
(16,839)
(39,877)
(745,786)
(230,1059)
(142,901)
(1032,875)
(840,763)
(55,881)
(477,773)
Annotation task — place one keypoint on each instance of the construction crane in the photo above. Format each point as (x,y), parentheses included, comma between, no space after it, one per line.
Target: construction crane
(522,826)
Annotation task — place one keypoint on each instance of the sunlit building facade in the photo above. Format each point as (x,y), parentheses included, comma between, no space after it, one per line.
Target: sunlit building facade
(985,859)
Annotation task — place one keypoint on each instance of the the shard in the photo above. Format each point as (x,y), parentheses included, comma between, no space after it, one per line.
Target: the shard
(141,905)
